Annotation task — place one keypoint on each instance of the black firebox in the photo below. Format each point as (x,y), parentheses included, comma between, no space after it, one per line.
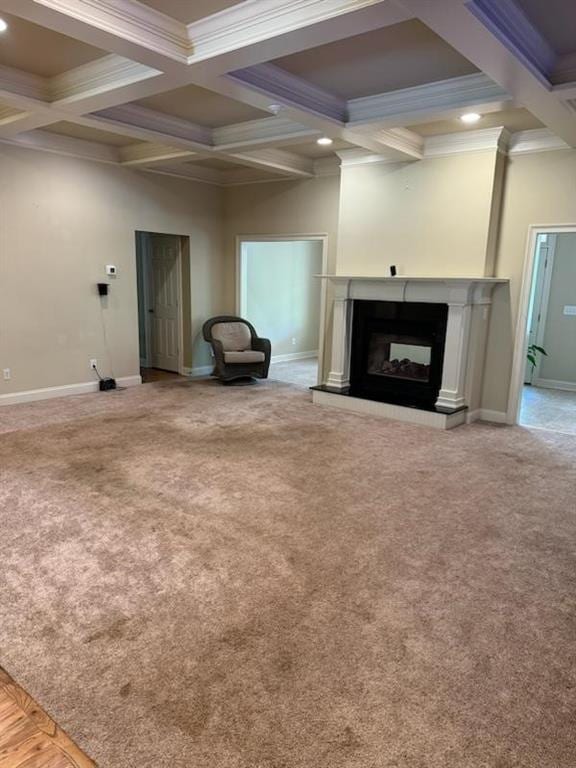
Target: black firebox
(398,352)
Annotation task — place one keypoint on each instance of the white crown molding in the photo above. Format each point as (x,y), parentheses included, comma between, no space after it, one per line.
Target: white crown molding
(407,104)
(510,25)
(154,125)
(130,20)
(252,21)
(357,156)
(286,88)
(537,140)
(409,144)
(487,139)
(104,74)
(254,132)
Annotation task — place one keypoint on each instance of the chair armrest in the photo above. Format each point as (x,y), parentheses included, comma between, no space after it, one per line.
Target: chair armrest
(218,350)
(261,345)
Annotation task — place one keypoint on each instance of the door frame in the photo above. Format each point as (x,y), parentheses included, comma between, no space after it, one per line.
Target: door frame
(323,238)
(521,336)
(146,274)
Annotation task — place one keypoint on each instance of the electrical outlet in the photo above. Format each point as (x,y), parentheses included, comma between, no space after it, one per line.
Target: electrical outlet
(7,374)
(293,342)
(94,363)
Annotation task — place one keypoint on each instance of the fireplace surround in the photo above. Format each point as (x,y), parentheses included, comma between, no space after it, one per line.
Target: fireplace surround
(397,351)
(410,348)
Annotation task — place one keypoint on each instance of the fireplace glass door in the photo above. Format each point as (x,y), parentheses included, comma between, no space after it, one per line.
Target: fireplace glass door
(399,357)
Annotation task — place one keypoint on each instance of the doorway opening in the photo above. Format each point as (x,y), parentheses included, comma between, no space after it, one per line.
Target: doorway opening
(279,293)
(545,375)
(163,284)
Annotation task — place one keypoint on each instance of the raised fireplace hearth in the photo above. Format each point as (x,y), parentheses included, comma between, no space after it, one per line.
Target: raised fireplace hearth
(408,347)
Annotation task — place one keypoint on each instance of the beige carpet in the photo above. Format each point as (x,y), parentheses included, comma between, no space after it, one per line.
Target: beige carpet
(195,576)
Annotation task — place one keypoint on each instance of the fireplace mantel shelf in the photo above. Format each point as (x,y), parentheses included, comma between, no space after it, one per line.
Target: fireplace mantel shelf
(411,278)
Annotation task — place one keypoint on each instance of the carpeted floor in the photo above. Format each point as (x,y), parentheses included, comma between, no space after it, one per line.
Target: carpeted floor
(196,576)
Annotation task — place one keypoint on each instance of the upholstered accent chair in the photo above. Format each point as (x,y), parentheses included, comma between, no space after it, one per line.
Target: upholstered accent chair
(238,350)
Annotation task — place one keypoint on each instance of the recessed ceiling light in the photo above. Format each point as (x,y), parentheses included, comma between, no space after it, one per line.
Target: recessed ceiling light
(275,108)
(324,141)
(3,25)
(470,117)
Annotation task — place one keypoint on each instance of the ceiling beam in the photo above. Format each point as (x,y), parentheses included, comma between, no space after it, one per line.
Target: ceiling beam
(66,145)
(257,31)
(317,108)
(268,131)
(287,88)
(438,100)
(150,125)
(152,154)
(276,160)
(483,32)
(87,87)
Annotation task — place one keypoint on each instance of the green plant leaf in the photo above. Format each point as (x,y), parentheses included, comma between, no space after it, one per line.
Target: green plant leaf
(540,349)
(531,360)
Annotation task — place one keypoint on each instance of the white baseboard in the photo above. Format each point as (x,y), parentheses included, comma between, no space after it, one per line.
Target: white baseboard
(201,370)
(483,414)
(569,386)
(293,356)
(63,391)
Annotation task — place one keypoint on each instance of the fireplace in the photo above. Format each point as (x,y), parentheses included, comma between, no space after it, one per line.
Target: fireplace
(408,348)
(397,352)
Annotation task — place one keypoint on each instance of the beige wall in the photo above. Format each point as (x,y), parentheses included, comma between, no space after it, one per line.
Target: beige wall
(62,221)
(539,189)
(560,329)
(430,218)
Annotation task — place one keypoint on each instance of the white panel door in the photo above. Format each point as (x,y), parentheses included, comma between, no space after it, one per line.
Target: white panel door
(164,309)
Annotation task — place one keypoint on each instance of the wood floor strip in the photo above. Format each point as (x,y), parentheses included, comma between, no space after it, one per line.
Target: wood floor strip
(29,738)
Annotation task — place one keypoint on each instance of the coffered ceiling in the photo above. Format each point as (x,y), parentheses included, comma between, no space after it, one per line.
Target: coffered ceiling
(556,21)
(386,59)
(41,51)
(231,93)
(189,10)
(198,105)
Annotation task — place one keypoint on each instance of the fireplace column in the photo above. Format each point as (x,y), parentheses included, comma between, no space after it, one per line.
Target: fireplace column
(452,394)
(339,376)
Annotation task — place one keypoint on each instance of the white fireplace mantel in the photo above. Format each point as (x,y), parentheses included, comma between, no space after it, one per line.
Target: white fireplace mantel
(461,294)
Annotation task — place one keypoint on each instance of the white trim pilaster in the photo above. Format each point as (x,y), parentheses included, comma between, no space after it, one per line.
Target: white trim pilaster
(339,376)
